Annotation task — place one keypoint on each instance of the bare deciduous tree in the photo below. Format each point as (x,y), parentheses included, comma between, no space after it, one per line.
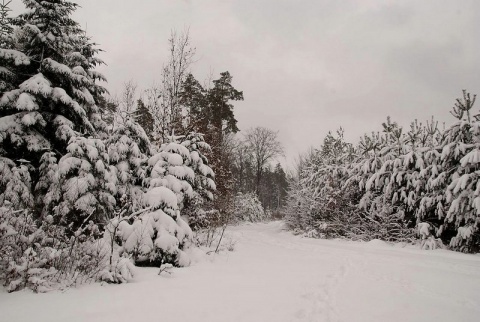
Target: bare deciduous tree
(125,105)
(163,101)
(264,147)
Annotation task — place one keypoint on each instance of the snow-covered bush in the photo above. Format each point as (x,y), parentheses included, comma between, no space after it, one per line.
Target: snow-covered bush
(119,270)
(42,257)
(207,226)
(426,232)
(249,208)
(155,235)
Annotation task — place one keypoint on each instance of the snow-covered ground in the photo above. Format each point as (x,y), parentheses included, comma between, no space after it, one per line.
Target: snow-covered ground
(275,276)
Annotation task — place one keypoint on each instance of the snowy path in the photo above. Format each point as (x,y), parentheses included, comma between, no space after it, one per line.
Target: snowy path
(274,276)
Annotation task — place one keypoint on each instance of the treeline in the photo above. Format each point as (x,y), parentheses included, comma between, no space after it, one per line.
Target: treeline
(396,185)
(253,171)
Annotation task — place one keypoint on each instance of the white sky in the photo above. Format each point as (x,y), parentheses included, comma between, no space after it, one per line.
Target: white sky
(306,67)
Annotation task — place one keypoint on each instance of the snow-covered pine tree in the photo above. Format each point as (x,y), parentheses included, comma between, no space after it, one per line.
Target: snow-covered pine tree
(460,163)
(48,187)
(366,164)
(322,175)
(17,187)
(155,235)
(204,183)
(11,60)
(51,96)
(432,189)
(84,186)
(128,149)
(181,166)
(297,206)
(328,175)
(5,25)
(302,199)
(6,43)
(433,178)
(176,175)
(168,168)
(391,179)
(199,208)
(145,118)
(401,181)
(340,189)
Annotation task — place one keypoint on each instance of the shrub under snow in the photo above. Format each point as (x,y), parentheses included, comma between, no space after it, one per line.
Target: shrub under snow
(46,256)
(155,235)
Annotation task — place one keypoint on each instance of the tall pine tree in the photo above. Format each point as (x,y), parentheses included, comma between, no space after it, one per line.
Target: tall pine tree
(51,93)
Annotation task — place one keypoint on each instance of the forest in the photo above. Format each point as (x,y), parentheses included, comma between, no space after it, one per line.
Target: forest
(93,184)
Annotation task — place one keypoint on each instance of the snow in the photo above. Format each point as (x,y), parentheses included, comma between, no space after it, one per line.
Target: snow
(26,102)
(376,243)
(175,159)
(423,229)
(18,57)
(182,172)
(29,119)
(37,84)
(167,242)
(161,195)
(275,276)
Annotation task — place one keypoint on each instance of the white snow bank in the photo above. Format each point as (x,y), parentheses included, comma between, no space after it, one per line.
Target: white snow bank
(377,243)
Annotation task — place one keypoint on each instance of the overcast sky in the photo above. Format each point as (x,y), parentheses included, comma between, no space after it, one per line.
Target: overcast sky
(305,67)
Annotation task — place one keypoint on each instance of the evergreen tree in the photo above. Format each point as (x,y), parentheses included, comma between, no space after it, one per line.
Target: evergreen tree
(145,119)
(181,167)
(6,44)
(5,23)
(52,95)
(193,98)
(128,150)
(84,187)
(219,111)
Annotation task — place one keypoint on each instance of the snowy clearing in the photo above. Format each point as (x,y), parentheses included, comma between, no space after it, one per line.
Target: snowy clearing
(275,276)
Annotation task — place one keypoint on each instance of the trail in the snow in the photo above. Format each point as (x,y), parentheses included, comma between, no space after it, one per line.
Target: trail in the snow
(275,276)
(378,282)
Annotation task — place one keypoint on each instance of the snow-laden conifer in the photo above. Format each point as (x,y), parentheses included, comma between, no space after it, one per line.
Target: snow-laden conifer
(154,235)
(86,183)
(52,93)
(176,175)
(181,166)
(128,149)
